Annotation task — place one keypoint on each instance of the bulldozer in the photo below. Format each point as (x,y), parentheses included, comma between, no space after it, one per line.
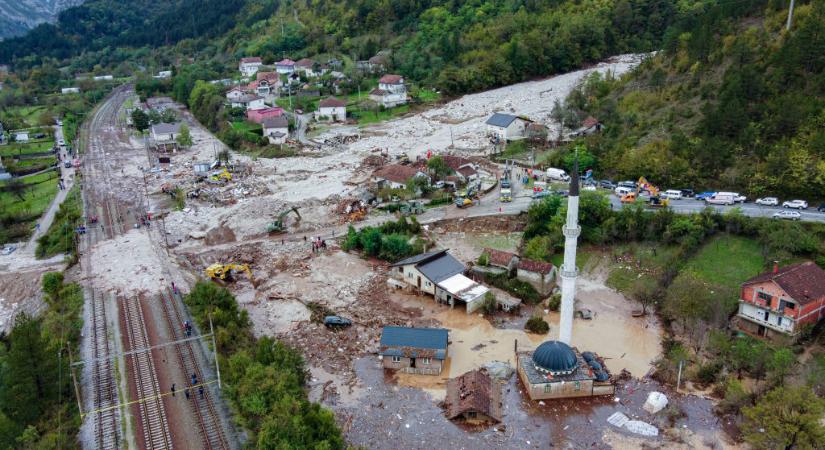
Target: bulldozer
(223,273)
(659,202)
(221,175)
(278,226)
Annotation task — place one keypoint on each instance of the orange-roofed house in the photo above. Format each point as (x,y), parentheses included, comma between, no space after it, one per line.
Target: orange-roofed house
(782,301)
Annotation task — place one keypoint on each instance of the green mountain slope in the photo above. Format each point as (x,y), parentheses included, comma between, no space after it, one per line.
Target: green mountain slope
(19,16)
(733,101)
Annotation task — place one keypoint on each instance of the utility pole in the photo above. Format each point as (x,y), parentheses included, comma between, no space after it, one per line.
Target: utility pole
(790,16)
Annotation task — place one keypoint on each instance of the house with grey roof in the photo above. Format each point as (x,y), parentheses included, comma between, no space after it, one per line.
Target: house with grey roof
(441,275)
(414,350)
(164,136)
(507,127)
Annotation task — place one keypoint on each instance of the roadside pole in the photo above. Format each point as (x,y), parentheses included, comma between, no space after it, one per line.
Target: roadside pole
(215,350)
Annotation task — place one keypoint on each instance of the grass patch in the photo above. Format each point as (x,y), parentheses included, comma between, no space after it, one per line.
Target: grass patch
(246,127)
(16,149)
(427,96)
(583,256)
(60,238)
(368,117)
(637,263)
(728,261)
(506,242)
(38,196)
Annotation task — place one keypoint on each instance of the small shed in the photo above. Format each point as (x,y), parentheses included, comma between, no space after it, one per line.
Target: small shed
(462,289)
(501,259)
(542,275)
(474,397)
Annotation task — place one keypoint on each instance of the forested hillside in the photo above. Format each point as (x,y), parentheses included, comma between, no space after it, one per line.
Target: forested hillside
(733,100)
(455,45)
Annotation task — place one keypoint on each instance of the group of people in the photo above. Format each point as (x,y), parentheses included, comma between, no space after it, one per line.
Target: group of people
(186,391)
(187,328)
(318,244)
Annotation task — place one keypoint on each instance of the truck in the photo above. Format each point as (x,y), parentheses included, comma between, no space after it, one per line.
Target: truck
(505,195)
(557,175)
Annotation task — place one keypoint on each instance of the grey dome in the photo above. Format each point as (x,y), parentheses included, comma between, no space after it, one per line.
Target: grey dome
(555,357)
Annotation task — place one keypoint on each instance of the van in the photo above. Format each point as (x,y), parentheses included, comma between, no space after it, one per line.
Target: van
(672,194)
(557,175)
(721,198)
(621,191)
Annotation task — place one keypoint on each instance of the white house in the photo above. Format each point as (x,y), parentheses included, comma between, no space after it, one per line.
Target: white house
(70,90)
(235,94)
(21,136)
(331,109)
(276,129)
(163,74)
(285,66)
(249,66)
(390,92)
(305,65)
(506,126)
(248,101)
(165,132)
(103,78)
(441,275)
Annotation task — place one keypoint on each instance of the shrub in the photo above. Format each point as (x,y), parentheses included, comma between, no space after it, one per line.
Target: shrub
(489,306)
(538,325)
(707,373)
(554,302)
(483,260)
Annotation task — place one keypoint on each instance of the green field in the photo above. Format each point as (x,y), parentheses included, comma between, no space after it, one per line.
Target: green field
(637,263)
(36,198)
(29,114)
(727,261)
(506,242)
(368,117)
(25,149)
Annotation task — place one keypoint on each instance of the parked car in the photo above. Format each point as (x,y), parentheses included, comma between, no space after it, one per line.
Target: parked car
(787,215)
(627,184)
(541,194)
(336,322)
(622,191)
(505,183)
(796,204)
(672,194)
(439,184)
(584,313)
(767,201)
(721,198)
(9,249)
(607,184)
(557,174)
(67,164)
(705,195)
(736,196)
(589,187)
(687,193)
(821,208)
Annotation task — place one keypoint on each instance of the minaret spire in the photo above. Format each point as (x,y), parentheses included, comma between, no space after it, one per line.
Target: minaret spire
(569,272)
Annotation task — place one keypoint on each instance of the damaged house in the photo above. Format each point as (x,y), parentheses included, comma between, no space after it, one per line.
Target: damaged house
(474,398)
(414,350)
(441,275)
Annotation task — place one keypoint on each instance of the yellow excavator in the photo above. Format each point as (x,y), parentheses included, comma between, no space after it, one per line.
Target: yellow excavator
(223,273)
(222,175)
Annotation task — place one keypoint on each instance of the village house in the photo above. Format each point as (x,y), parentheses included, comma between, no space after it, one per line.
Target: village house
(331,109)
(103,78)
(70,90)
(276,129)
(235,94)
(390,92)
(782,301)
(249,66)
(540,274)
(474,398)
(395,176)
(285,66)
(258,115)
(164,136)
(21,136)
(555,370)
(441,275)
(465,170)
(414,350)
(500,259)
(589,126)
(248,101)
(306,66)
(506,127)
(163,74)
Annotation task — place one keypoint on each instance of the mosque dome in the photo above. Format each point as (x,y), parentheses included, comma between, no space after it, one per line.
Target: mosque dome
(555,357)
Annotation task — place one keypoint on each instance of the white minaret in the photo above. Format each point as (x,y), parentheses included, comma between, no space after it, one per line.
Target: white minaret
(569,272)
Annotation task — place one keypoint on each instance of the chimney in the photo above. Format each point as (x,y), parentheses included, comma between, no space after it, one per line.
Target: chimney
(775,266)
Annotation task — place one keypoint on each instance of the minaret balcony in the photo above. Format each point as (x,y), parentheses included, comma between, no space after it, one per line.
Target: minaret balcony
(569,273)
(571,232)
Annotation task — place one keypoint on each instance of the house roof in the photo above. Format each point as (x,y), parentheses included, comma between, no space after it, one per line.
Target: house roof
(589,122)
(247,98)
(498,257)
(251,59)
(396,173)
(455,162)
(377,91)
(531,265)
(475,391)
(269,76)
(305,62)
(467,171)
(463,288)
(285,62)
(414,342)
(391,79)
(441,268)
(501,120)
(275,122)
(164,128)
(331,102)
(803,282)
(377,59)
(278,111)
(421,257)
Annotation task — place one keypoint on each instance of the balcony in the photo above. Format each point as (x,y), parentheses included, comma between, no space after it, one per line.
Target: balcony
(756,315)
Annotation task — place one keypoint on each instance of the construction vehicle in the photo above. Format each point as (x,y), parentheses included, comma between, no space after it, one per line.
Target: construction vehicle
(630,197)
(278,225)
(505,195)
(223,273)
(659,202)
(644,186)
(462,202)
(221,175)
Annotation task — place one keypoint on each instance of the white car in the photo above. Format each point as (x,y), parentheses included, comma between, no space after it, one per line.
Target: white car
(8,250)
(788,215)
(796,204)
(767,201)
(736,197)
(672,194)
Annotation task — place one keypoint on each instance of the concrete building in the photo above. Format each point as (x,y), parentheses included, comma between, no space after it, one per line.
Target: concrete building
(474,398)
(285,66)
(414,350)
(248,102)
(391,91)
(249,66)
(540,274)
(506,127)
(163,74)
(70,90)
(569,272)
(554,370)
(439,274)
(332,109)
(164,136)
(306,66)
(276,129)
(258,115)
(782,301)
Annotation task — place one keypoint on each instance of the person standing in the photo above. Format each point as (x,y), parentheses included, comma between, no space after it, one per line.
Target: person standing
(173,389)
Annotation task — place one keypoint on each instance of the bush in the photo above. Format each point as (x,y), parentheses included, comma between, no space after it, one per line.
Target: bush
(554,302)
(538,325)
(489,306)
(517,288)
(707,373)
(483,260)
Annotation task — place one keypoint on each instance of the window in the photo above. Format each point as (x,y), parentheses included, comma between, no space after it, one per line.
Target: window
(779,320)
(401,269)
(783,305)
(409,274)
(548,388)
(428,284)
(578,385)
(425,360)
(396,359)
(472,414)
(764,296)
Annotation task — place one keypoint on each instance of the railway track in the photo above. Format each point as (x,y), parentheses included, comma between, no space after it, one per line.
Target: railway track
(153,422)
(211,428)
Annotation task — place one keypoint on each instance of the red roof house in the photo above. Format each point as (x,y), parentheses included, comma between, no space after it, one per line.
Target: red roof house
(782,301)
(258,115)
